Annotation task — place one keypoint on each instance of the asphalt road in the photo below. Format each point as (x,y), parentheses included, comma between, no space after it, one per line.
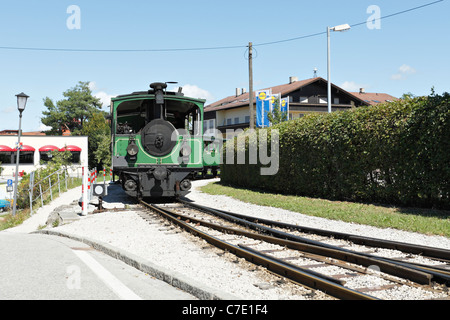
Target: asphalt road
(42,267)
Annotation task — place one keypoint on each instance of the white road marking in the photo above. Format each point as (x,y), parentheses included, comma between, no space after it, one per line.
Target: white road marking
(107,277)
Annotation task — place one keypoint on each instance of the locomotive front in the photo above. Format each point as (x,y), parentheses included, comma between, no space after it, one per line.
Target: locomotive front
(156,141)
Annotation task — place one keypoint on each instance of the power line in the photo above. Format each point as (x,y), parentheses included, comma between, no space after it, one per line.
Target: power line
(353,25)
(209,48)
(123,50)
(398,13)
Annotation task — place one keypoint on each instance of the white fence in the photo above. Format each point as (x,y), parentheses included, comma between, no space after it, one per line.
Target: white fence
(40,187)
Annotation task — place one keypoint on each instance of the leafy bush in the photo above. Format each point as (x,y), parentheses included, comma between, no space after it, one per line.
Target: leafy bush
(395,153)
(60,160)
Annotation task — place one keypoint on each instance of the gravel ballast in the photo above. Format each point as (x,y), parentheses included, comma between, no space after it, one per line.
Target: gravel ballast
(184,254)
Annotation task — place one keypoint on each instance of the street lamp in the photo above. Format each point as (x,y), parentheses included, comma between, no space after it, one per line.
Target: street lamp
(340,28)
(21,103)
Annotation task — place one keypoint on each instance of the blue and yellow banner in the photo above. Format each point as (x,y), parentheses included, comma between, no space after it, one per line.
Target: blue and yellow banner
(284,106)
(263,104)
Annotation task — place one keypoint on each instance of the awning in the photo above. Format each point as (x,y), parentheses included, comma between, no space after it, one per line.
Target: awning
(70,148)
(5,149)
(26,148)
(48,148)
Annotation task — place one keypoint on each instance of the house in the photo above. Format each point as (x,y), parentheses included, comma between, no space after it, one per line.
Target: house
(35,151)
(373,98)
(9,132)
(305,96)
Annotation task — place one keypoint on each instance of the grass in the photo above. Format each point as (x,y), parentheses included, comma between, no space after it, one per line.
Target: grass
(8,220)
(426,221)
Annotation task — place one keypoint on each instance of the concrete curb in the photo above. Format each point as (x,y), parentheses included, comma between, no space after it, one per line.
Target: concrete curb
(173,278)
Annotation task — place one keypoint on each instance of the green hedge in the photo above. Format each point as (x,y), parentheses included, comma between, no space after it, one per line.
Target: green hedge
(394,153)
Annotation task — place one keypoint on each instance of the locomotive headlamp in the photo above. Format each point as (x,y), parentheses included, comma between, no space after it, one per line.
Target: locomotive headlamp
(185,151)
(132,149)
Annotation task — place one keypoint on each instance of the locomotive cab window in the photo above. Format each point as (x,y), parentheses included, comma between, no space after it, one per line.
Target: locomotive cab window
(185,116)
(134,115)
(130,117)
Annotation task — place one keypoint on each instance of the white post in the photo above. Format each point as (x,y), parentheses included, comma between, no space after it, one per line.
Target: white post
(16,184)
(85,201)
(340,28)
(328,71)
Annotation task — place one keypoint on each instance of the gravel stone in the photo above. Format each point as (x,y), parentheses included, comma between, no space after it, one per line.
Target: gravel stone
(183,253)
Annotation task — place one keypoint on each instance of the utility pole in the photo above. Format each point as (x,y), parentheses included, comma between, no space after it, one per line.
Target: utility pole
(328,71)
(250,89)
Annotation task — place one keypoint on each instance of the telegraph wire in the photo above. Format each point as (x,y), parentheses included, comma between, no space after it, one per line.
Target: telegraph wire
(353,25)
(122,50)
(400,12)
(209,48)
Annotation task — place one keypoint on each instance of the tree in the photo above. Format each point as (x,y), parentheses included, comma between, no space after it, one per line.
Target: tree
(80,113)
(60,159)
(276,116)
(99,133)
(72,112)
(408,95)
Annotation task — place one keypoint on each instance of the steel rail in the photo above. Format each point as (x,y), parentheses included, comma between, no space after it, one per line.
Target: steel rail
(440,274)
(431,274)
(350,257)
(368,241)
(437,253)
(295,274)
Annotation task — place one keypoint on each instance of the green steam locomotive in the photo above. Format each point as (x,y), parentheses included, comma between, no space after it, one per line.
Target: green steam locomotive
(157,141)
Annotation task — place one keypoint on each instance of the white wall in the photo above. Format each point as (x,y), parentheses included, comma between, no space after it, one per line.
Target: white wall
(223,115)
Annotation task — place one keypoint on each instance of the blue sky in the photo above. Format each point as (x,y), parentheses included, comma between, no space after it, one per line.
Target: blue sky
(408,53)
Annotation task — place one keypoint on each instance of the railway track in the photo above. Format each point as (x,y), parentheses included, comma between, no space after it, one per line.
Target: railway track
(312,258)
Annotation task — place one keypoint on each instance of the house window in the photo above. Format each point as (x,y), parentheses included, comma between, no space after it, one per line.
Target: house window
(75,156)
(25,157)
(208,125)
(236,120)
(336,100)
(5,157)
(323,100)
(228,122)
(46,156)
(303,99)
(247,119)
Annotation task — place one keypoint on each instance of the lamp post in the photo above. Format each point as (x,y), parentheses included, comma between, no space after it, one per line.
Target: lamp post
(21,103)
(340,28)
